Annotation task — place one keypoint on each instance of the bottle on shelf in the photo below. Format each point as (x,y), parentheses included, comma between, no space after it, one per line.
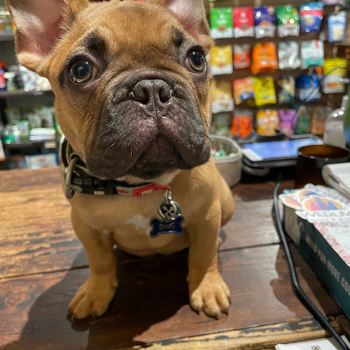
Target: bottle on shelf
(334,129)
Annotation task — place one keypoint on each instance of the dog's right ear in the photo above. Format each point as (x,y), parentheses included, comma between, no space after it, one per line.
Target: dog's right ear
(39,24)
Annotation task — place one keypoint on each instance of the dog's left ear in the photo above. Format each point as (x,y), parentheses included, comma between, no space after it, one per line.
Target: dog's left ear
(191,15)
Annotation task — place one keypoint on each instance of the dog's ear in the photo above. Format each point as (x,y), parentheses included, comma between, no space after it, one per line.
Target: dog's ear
(191,15)
(39,24)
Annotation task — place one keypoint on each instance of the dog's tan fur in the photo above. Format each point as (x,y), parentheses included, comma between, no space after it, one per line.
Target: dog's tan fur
(100,222)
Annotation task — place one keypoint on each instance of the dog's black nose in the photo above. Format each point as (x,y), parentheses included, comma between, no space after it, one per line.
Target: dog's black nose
(146,91)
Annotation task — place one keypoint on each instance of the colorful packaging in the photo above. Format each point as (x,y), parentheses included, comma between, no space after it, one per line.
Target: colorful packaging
(331,82)
(265,22)
(264,91)
(311,16)
(222,96)
(286,89)
(303,124)
(334,2)
(243,22)
(221,23)
(287,21)
(336,27)
(13,115)
(312,53)
(264,58)
(267,122)
(318,119)
(221,60)
(308,88)
(242,56)
(222,122)
(243,90)
(288,55)
(287,120)
(242,123)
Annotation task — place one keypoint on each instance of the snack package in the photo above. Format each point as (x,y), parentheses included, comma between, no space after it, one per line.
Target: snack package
(221,23)
(286,89)
(288,55)
(311,16)
(243,22)
(287,120)
(331,82)
(267,122)
(265,22)
(221,60)
(312,53)
(242,123)
(287,21)
(318,119)
(241,56)
(336,27)
(222,96)
(264,91)
(308,88)
(303,124)
(243,89)
(222,122)
(264,58)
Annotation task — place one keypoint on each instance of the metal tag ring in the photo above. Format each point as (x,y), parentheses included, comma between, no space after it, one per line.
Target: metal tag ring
(69,192)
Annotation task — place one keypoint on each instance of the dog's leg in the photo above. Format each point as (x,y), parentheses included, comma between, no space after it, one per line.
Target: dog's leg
(94,296)
(208,291)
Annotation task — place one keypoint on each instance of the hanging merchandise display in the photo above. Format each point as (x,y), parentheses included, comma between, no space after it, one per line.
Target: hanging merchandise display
(242,56)
(264,91)
(221,24)
(287,118)
(311,16)
(307,88)
(318,119)
(267,122)
(243,22)
(332,75)
(312,53)
(264,58)
(221,60)
(303,123)
(265,22)
(288,55)
(287,21)
(336,24)
(222,122)
(242,123)
(243,90)
(286,89)
(222,96)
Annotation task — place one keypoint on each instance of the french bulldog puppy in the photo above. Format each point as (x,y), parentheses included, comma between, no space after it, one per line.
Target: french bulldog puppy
(131,83)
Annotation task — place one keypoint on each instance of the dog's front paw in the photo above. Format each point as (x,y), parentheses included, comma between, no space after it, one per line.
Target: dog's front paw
(93,297)
(209,294)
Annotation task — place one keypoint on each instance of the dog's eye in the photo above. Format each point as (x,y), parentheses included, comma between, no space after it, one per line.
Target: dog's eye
(196,61)
(82,72)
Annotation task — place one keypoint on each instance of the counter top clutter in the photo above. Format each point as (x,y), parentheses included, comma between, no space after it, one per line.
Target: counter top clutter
(42,265)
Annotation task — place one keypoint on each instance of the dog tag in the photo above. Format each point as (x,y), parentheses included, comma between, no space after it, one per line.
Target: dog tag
(171,219)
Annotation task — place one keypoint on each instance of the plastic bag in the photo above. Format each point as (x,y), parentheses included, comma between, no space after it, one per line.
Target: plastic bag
(331,82)
(264,58)
(222,96)
(287,21)
(312,53)
(287,119)
(286,89)
(221,60)
(311,16)
(242,123)
(288,55)
(265,22)
(243,90)
(221,23)
(243,22)
(242,56)
(264,91)
(336,27)
(267,122)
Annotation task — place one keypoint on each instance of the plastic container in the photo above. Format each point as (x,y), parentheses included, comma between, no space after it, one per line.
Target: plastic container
(229,166)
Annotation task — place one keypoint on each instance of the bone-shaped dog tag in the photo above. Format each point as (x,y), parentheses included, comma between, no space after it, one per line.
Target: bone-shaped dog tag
(171,219)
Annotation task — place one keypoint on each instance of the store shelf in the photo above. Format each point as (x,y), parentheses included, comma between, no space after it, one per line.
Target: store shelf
(7,37)
(48,144)
(20,93)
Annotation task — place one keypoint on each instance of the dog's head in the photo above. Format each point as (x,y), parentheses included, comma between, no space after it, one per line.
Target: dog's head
(130,79)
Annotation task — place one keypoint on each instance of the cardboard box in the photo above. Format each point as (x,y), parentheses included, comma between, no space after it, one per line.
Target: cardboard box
(317,219)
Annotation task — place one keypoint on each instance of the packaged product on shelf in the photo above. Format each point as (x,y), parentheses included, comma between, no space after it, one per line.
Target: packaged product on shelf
(13,115)
(29,79)
(41,161)
(267,122)
(307,88)
(2,76)
(243,22)
(42,134)
(23,127)
(34,120)
(242,123)
(318,119)
(303,124)
(5,21)
(17,162)
(287,119)
(311,16)
(264,91)
(46,116)
(221,60)
(332,76)
(243,90)
(222,96)
(222,123)
(42,84)
(264,58)
(242,56)
(312,53)
(10,78)
(265,21)
(336,24)
(286,89)
(221,24)
(287,21)
(288,55)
